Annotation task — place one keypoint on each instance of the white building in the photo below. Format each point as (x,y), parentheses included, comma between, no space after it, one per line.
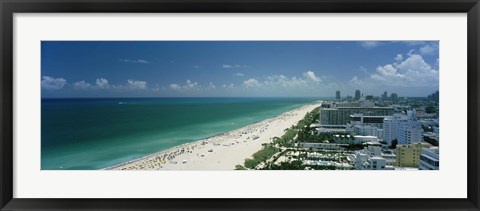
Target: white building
(405,128)
(360,119)
(429,159)
(409,133)
(365,162)
(373,151)
(390,157)
(378,163)
(370,158)
(390,125)
(366,130)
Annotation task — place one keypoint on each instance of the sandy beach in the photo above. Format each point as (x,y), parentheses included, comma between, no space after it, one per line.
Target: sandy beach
(221,152)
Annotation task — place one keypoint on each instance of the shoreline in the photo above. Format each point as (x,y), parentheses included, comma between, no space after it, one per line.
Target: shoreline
(231,147)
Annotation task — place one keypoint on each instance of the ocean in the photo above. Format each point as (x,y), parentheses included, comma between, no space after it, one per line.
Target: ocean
(95,133)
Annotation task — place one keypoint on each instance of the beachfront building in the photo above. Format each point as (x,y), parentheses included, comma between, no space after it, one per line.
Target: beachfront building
(331,129)
(370,158)
(409,155)
(365,162)
(373,158)
(345,104)
(360,119)
(429,159)
(346,139)
(410,132)
(405,128)
(341,115)
(366,125)
(390,125)
(366,130)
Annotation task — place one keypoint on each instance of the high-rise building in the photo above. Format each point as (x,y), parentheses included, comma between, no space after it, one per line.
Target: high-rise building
(394,97)
(357,94)
(338,95)
(341,115)
(384,96)
(429,159)
(360,119)
(434,97)
(390,125)
(409,132)
(405,128)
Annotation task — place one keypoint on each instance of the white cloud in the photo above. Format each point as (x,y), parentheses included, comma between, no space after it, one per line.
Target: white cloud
(230,86)
(51,83)
(211,85)
(190,84)
(102,83)
(399,58)
(283,81)
(239,74)
(196,66)
(158,88)
(175,86)
(135,61)
(412,72)
(370,44)
(427,50)
(233,66)
(311,75)
(251,83)
(308,79)
(143,61)
(82,85)
(133,84)
(354,79)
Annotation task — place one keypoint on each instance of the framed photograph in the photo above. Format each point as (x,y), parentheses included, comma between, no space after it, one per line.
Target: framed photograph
(255,105)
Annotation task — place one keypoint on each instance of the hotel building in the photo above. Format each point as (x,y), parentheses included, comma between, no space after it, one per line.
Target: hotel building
(341,115)
(405,128)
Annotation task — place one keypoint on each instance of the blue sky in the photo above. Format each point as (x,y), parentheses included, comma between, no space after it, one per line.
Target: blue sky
(237,68)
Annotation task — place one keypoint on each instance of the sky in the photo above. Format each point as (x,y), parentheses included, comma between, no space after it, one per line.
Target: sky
(77,69)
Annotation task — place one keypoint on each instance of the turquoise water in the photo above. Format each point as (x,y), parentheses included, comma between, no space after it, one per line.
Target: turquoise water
(87,134)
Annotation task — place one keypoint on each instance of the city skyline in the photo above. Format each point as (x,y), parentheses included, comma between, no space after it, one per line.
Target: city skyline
(238,68)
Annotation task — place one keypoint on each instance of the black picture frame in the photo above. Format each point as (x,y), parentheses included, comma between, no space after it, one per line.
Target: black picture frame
(9,7)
